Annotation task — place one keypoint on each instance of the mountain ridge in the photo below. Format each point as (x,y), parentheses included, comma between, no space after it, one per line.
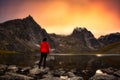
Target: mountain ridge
(23,35)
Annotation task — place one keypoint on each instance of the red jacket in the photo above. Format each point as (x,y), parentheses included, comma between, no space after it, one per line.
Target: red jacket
(44,47)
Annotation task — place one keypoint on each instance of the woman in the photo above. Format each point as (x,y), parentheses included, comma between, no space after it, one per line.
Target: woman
(44,50)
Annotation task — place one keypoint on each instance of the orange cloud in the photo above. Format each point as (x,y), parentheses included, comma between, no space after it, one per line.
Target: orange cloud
(62,16)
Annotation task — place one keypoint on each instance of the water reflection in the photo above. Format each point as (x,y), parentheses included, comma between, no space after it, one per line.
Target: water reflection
(82,60)
(99,55)
(61,60)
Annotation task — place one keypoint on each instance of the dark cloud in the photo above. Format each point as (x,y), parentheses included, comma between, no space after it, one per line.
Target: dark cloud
(113,5)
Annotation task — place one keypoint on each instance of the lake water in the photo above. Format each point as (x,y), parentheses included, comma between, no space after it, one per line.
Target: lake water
(62,60)
(82,60)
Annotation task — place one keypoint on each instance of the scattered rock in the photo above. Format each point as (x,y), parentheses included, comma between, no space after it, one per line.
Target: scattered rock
(103,77)
(58,73)
(76,78)
(117,73)
(37,62)
(35,71)
(109,70)
(51,78)
(13,68)
(15,76)
(25,70)
(3,69)
(70,74)
(64,77)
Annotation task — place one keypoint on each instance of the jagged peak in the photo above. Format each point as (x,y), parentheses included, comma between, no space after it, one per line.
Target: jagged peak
(80,29)
(29,17)
(116,33)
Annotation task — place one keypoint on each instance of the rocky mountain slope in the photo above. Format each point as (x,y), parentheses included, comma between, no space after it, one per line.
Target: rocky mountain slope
(22,35)
(110,38)
(111,43)
(81,40)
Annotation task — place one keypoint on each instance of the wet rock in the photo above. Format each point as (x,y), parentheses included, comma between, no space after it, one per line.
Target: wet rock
(35,71)
(25,70)
(71,74)
(37,62)
(3,66)
(103,77)
(109,70)
(72,78)
(38,73)
(73,70)
(99,72)
(47,76)
(51,78)
(76,78)
(117,73)
(15,76)
(13,68)
(58,73)
(3,69)
(6,77)
(64,77)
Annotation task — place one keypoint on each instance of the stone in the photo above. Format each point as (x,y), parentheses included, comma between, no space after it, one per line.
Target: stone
(15,76)
(52,78)
(3,69)
(70,74)
(37,62)
(117,73)
(58,73)
(38,73)
(103,77)
(64,77)
(76,78)
(13,68)
(35,71)
(25,70)
(109,70)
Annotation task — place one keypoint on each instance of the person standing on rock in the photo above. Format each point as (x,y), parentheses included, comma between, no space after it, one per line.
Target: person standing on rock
(44,50)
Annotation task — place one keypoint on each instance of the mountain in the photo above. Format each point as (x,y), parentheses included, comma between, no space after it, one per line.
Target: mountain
(22,35)
(81,40)
(87,38)
(113,48)
(110,38)
(111,42)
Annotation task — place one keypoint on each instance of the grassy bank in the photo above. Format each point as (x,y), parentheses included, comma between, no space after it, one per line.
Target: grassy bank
(7,52)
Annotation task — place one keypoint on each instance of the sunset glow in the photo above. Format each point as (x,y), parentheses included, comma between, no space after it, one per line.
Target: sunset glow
(62,16)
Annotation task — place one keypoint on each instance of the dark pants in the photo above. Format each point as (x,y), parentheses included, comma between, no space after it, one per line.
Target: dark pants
(43,56)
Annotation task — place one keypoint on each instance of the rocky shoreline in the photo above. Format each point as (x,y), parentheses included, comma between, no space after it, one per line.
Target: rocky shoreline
(13,72)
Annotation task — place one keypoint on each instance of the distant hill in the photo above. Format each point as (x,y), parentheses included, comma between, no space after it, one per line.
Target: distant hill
(110,38)
(22,35)
(111,43)
(113,48)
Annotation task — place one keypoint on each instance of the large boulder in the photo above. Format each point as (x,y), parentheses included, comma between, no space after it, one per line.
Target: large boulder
(15,76)
(103,77)
(3,69)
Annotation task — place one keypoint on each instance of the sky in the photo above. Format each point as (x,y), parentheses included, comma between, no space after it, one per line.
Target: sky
(101,17)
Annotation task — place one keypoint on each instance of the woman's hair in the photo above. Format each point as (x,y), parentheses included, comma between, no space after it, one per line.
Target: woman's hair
(44,39)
